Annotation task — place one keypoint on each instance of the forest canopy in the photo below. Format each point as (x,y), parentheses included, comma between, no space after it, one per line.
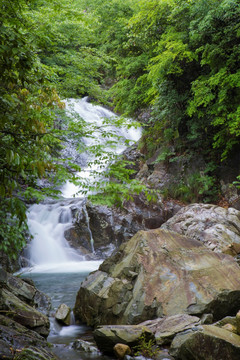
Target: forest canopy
(177,60)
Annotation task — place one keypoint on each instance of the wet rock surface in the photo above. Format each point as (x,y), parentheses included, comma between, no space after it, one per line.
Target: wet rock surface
(208,342)
(187,338)
(216,227)
(25,290)
(159,273)
(164,329)
(23,329)
(108,336)
(121,350)
(108,227)
(85,346)
(63,314)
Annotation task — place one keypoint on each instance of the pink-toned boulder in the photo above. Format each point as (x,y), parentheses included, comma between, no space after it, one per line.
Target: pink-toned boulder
(159,273)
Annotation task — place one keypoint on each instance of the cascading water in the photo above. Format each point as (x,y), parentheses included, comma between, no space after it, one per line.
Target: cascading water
(49,249)
(47,224)
(96,116)
(56,268)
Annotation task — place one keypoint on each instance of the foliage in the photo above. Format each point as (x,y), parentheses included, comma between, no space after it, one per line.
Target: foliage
(146,348)
(13,229)
(190,76)
(196,187)
(21,128)
(130,93)
(28,137)
(65,34)
(178,58)
(81,41)
(117,186)
(216,91)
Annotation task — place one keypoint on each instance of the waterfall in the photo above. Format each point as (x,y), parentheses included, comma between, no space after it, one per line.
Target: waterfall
(49,250)
(89,229)
(96,116)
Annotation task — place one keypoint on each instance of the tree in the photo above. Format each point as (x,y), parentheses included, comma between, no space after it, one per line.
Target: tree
(66,36)
(132,91)
(216,91)
(30,137)
(27,101)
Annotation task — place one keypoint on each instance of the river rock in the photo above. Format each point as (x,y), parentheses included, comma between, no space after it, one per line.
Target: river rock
(23,328)
(34,353)
(159,273)
(108,336)
(23,313)
(216,227)
(25,290)
(238,322)
(209,342)
(86,346)
(63,314)
(18,301)
(121,350)
(207,319)
(164,329)
(163,355)
(230,323)
(15,339)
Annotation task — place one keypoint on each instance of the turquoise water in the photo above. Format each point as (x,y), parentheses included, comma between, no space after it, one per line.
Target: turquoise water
(63,288)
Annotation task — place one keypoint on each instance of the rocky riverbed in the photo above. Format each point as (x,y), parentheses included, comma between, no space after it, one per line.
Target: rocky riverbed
(177,286)
(24,322)
(171,290)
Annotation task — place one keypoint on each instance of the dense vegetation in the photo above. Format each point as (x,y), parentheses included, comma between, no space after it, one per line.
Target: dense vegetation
(183,62)
(178,60)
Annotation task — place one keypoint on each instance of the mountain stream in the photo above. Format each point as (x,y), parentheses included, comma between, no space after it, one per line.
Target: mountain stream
(56,268)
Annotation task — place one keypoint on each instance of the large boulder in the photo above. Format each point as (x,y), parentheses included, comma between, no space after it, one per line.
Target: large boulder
(16,338)
(23,313)
(216,227)
(108,336)
(19,301)
(23,328)
(26,291)
(165,328)
(208,342)
(160,331)
(159,273)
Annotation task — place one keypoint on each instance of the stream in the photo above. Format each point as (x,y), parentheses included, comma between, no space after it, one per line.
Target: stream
(56,268)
